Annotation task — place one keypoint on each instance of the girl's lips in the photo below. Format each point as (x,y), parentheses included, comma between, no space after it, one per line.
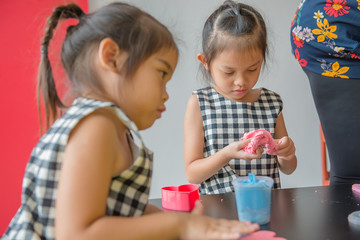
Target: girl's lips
(239,91)
(161,110)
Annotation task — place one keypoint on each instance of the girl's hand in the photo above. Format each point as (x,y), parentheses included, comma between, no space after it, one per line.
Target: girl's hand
(285,148)
(203,227)
(235,150)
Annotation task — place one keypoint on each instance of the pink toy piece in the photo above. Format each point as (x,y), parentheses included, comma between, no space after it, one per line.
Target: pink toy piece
(260,137)
(356,188)
(262,235)
(181,198)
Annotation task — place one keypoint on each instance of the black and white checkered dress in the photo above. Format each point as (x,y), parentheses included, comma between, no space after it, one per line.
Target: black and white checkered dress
(128,192)
(226,121)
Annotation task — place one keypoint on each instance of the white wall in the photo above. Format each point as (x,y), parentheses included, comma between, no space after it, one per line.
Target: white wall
(185,19)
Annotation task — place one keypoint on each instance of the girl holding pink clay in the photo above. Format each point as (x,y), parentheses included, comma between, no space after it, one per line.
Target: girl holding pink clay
(217,117)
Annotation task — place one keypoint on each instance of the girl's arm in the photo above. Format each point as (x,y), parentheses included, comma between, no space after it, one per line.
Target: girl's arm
(286,149)
(97,149)
(151,209)
(198,168)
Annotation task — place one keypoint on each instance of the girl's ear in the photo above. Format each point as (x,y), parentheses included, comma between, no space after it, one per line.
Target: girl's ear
(109,55)
(202,59)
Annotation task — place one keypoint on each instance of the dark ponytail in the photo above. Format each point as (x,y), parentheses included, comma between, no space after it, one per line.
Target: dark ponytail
(46,84)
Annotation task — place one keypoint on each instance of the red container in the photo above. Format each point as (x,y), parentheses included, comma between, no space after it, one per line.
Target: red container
(181,198)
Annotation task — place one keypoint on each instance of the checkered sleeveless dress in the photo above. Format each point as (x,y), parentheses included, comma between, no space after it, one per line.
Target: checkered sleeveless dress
(128,192)
(226,121)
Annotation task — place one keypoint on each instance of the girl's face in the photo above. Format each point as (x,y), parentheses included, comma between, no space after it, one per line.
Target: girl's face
(235,73)
(145,93)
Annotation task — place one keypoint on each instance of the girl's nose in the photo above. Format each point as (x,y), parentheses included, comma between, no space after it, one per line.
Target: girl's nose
(239,80)
(165,96)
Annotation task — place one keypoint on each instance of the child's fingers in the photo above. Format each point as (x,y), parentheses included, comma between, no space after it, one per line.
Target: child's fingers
(282,143)
(286,151)
(256,155)
(244,227)
(286,148)
(243,143)
(226,229)
(203,227)
(259,151)
(285,141)
(198,209)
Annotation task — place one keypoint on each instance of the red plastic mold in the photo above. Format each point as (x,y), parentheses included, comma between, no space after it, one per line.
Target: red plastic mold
(181,198)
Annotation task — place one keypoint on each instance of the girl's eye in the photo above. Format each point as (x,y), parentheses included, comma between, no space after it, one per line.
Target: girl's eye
(229,73)
(163,74)
(252,70)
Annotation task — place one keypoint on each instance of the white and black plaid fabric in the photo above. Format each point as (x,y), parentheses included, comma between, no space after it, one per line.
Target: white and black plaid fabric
(128,193)
(226,121)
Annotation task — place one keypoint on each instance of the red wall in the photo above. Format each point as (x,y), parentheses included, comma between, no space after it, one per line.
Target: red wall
(22,26)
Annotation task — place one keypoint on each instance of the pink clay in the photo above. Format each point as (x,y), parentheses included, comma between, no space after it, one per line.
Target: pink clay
(260,137)
(356,188)
(263,235)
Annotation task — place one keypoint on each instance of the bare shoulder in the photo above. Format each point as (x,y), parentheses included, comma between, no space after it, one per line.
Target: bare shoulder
(193,103)
(98,134)
(101,123)
(192,108)
(99,139)
(193,122)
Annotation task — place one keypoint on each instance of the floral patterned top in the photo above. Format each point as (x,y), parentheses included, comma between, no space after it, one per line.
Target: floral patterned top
(330,31)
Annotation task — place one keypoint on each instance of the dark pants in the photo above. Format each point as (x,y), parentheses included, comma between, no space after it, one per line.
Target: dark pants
(337,103)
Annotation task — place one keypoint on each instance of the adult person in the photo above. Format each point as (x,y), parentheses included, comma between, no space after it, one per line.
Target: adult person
(325,38)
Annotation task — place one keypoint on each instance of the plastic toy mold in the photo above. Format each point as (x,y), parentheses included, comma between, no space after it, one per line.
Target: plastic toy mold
(181,198)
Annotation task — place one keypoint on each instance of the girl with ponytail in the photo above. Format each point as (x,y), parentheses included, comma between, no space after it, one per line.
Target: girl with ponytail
(234,44)
(87,178)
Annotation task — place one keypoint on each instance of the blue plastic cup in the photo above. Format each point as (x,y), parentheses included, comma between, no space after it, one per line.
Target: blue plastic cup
(253,198)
